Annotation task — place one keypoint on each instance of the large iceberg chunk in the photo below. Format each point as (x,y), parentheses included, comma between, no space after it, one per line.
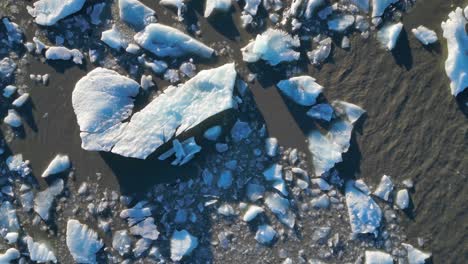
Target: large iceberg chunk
(424,35)
(388,35)
(165,41)
(48,12)
(82,242)
(302,89)
(182,244)
(216,5)
(364,213)
(62,53)
(59,164)
(44,200)
(379,6)
(39,252)
(456,65)
(273,46)
(135,13)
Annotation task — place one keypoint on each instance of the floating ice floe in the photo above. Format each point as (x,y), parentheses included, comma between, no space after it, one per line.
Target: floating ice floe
(213,6)
(135,13)
(416,256)
(113,38)
(424,35)
(10,255)
(402,199)
(182,244)
(8,219)
(7,67)
(303,90)
(225,179)
(82,242)
(15,163)
(456,65)
(48,12)
(59,164)
(62,53)
(165,41)
(364,213)
(271,146)
(361,4)
(321,52)
(44,200)
(212,133)
(11,237)
(252,212)
(179,4)
(274,173)
(14,33)
(136,214)
(321,112)
(146,229)
(20,101)
(184,151)
(13,119)
(327,149)
(378,257)
(280,207)
(9,90)
(122,242)
(95,13)
(265,234)
(385,188)
(379,6)
(341,23)
(241,130)
(39,252)
(273,46)
(388,35)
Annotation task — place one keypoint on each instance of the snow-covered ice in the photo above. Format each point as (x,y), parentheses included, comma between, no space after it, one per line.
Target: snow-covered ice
(456,65)
(265,234)
(213,6)
(364,213)
(402,199)
(252,212)
(135,13)
(165,41)
(303,90)
(182,244)
(388,35)
(341,23)
(146,229)
(62,53)
(39,252)
(378,257)
(12,237)
(379,6)
(82,242)
(424,35)
(9,255)
(21,100)
(273,46)
(48,12)
(416,256)
(113,38)
(385,188)
(13,119)
(44,200)
(59,164)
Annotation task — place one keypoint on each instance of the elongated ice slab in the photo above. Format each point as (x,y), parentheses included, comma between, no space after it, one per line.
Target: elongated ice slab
(165,41)
(378,257)
(364,213)
(7,67)
(424,35)
(59,164)
(273,46)
(135,13)
(302,89)
(252,212)
(182,244)
(48,12)
(62,53)
(44,200)
(39,252)
(82,242)
(456,65)
(388,35)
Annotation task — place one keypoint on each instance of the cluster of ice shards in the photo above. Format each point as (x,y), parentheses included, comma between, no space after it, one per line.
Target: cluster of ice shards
(44,200)
(424,35)
(16,164)
(165,41)
(48,12)
(83,242)
(456,65)
(388,35)
(59,164)
(273,46)
(62,53)
(183,151)
(303,90)
(213,6)
(327,149)
(135,13)
(182,244)
(8,219)
(39,252)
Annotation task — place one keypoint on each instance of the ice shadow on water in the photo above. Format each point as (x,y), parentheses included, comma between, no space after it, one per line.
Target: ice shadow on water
(402,51)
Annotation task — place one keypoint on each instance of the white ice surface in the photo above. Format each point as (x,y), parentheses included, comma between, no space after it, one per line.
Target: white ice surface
(402,199)
(265,234)
(62,53)
(303,90)
(8,219)
(179,4)
(59,164)
(341,23)
(7,67)
(9,255)
(424,35)
(165,41)
(251,6)
(378,257)
(48,12)
(216,6)
(183,151)
(385,188)
(456,65)
(182,244)
(39,252)
(311,7)
(12,119)
(321,52)
(44,200)
(82,242)
(388,35)
(20,101)
(416,256)
(113,38)
(361,4)
(379,6)
(146,229)
(252,212)
(135,13)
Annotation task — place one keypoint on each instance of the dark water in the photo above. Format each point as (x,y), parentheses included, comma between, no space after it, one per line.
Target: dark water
(414,128)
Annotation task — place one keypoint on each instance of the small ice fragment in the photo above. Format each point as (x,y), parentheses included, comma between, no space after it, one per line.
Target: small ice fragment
(378,257)
(274,173)
(135,13)
(416,256)
(265,234)
(18,102)
(241,130)
(12,119)
(252,212)
(44,200)
(215,6)
(402,199)
(321,202)
(165,41)
(456,65)
(11,237)
(39,252)
(96,13)
(179,4)
(322,184)
(82,242)
(14,33)
(251,6)
(188,69)
(15,163)
(122,242)
(62,53)
(225,179)
(408,183)
(311,7)
(321,52)
(277,204)
(172,75)
(10,255)
(321,112)
(273,46)
(255,191)
(184,151)
(141,246)
(7,67)
(341,23)
(226,210)
(379,6)
(9,90)
(271,146)
(48,12)
(361,4)
(113,38)
(385,188)
(146,82)
(303,90)
(8,219)
(146,229)
(132,48)
(59,164)
(388,35)
(364,214)
(182,244)
(212,133)
(424,35)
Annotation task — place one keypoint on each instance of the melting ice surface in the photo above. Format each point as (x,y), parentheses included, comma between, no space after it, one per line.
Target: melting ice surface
(59,164)
(302,89)
(456,65)
(82,242)
(44,200)
(273,46)
(165,41)
(9,255)
(48,12)
(182,244)
(135,13)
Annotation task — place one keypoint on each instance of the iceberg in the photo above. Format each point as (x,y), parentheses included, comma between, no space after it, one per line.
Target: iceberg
(388,35)
(184,151)
(385,188)
(416,256)
(265,234)
(273,46)
(44,200)
(379,6)
(48,12)
(113,38)
(402,199)
(456,65)
(424,35)
(8,219)
(364,213)
(82,242)
(135,13)
(165,41)
(303,90)
(62,53)
(378,257)
(216,5)
(341,23)
(9,255)
(39,252)
(182,244)
(321,52)
(59,164)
